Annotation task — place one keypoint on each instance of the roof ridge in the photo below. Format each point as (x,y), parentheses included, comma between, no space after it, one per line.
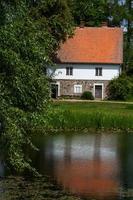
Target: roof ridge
(101,27)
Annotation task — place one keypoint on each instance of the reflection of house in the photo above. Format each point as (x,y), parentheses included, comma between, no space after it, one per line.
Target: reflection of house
(88,60)
(87,166)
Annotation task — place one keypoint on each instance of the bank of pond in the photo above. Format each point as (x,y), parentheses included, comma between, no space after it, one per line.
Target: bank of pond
(84,115)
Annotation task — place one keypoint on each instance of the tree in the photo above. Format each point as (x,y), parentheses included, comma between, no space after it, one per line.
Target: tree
(30,32)
(128,48)
(120,88)
(93,13)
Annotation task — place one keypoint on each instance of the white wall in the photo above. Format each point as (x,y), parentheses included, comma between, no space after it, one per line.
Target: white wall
(86,72)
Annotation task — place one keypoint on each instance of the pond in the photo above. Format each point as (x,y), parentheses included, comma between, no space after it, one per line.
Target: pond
(77,166)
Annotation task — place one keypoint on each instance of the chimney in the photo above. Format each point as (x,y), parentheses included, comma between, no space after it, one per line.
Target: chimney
(104,24)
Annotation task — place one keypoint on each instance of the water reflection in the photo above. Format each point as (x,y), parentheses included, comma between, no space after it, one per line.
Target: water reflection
(126,157)
(92,166)
(85,165)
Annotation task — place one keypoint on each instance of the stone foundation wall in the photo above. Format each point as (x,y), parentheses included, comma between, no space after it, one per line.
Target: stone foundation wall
(67,86)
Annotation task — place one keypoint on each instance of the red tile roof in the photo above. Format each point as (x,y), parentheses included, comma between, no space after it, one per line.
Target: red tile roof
(93,45)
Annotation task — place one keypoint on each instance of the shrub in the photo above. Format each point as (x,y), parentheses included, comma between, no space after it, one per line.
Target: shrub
(119,88)
(87,95)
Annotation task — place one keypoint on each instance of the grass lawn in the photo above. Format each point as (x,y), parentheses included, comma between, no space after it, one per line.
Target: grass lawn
(82,115)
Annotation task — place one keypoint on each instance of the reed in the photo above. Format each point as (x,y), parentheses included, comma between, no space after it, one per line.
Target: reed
(78,116)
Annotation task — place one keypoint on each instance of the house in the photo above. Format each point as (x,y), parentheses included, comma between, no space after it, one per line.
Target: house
(88,61)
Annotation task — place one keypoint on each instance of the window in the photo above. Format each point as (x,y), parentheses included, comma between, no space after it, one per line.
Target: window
(77,89)
(69,71)
(99,71)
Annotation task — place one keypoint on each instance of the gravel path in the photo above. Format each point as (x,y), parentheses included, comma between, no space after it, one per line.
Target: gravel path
(92,101)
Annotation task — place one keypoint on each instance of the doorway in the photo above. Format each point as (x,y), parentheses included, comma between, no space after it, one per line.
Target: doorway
(98,92)
(54,91)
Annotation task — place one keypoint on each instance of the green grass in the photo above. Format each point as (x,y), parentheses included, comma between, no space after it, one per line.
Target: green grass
(87,115)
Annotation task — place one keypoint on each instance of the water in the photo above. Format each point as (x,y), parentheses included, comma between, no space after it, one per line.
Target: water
(85,166)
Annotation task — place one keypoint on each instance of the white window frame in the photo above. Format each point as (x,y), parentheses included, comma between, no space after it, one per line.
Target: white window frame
(79,87)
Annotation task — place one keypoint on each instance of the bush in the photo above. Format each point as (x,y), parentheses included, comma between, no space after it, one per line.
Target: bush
(120,88)
(87,95)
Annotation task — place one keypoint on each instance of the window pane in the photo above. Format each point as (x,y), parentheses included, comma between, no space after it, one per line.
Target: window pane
(96,71)
(67,70)
(71,71)
(77,88)
(100,71)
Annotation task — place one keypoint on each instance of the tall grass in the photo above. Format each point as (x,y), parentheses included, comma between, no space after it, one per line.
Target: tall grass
(82,116)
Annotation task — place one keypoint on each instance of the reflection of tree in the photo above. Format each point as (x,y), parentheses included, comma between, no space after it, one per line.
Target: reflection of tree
(43,159)
(123,159)
(126,158)
(47,152)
